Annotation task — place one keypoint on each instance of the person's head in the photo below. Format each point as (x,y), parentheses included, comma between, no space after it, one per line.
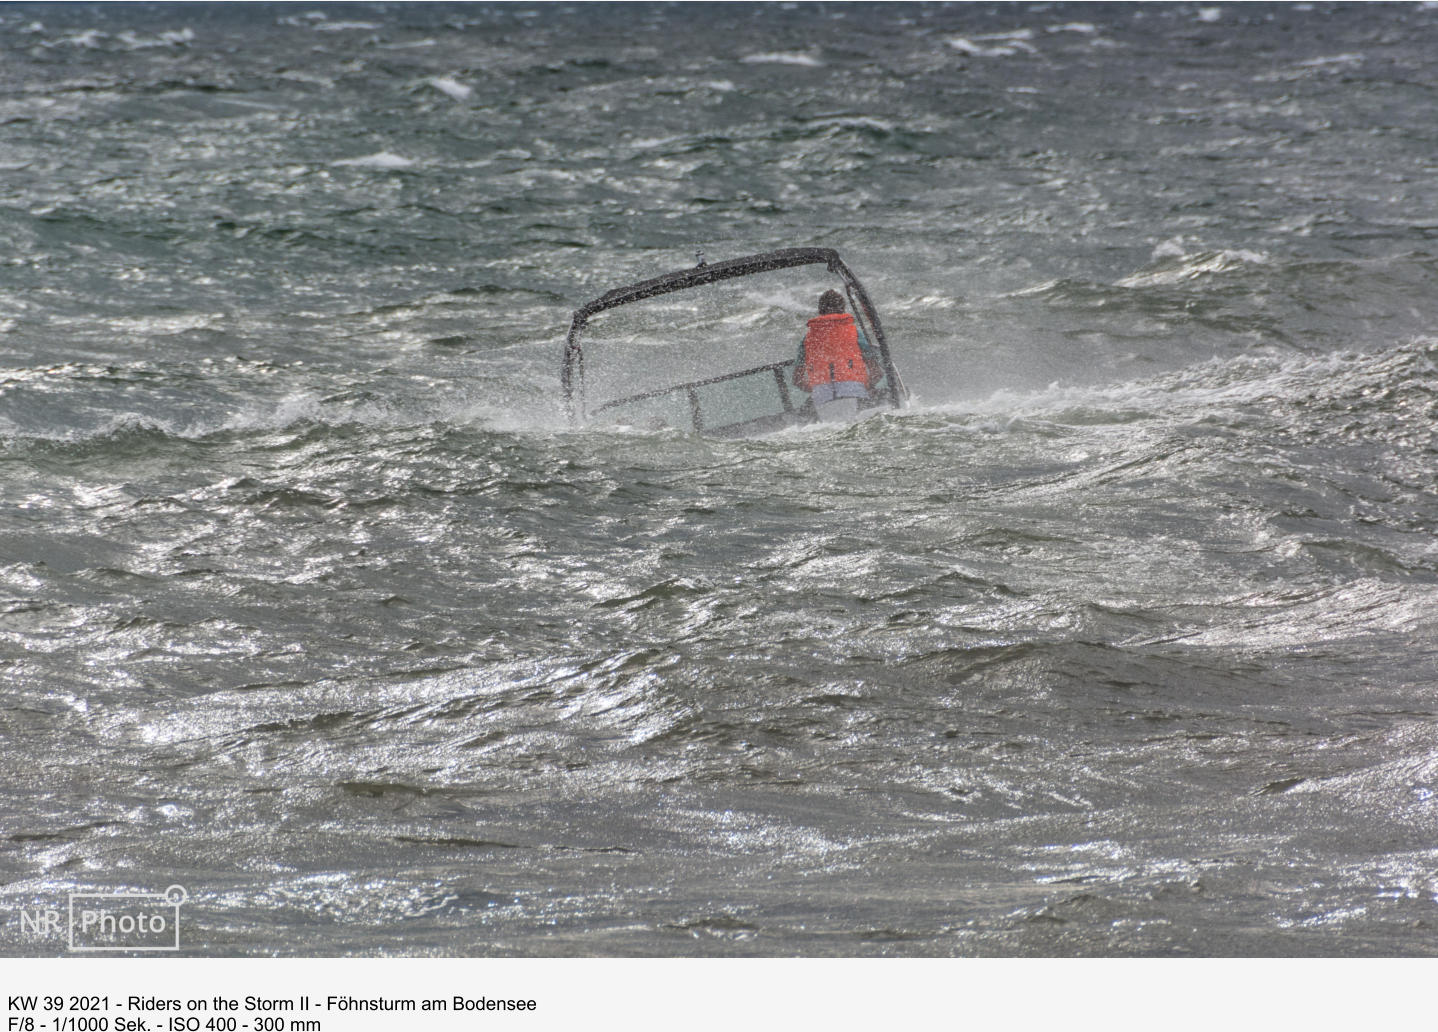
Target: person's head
(831,302)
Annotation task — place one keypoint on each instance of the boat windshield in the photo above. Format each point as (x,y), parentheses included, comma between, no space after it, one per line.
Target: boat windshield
(716,357)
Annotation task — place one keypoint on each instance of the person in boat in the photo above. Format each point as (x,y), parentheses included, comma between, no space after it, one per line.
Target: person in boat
(836,363)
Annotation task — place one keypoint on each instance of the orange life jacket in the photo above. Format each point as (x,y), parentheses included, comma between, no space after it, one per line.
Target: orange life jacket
(831,353)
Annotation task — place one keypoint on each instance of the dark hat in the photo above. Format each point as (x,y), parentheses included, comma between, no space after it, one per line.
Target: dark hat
(831,302)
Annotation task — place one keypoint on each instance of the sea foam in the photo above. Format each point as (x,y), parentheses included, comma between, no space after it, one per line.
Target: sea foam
(382,160)
(788,58)
(452,88)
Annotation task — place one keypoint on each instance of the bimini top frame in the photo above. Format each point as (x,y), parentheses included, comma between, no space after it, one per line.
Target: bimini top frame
(572,375)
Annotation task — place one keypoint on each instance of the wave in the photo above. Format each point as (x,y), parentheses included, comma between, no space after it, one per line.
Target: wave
(1000,44)
(1176,266)
(298,413)
(797,58)
(383,160)
(1226,384)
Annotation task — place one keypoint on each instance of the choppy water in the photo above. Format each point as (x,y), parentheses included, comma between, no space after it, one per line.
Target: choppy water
(1120,641)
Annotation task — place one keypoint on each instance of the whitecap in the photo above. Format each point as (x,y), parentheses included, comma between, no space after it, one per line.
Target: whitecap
(1179,266)
(1210,14)
(1170,248)
(1009,45)
(88,40)
(788,58)
(452,88)
(172,38)
(384,159)
(651,142)
(1336,59)
(159,326)
(314,80)
(855,122)
(303,20)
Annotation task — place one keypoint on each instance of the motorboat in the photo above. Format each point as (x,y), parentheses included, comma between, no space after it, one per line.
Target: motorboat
(714,347)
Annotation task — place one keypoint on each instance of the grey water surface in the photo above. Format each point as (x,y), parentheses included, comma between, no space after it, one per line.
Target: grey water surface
(1119,641)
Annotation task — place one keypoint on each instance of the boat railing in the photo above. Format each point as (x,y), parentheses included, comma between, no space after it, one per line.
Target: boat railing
(572,371)
(691,389)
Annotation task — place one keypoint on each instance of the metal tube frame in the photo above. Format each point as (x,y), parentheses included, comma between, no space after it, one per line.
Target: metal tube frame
(572,371)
